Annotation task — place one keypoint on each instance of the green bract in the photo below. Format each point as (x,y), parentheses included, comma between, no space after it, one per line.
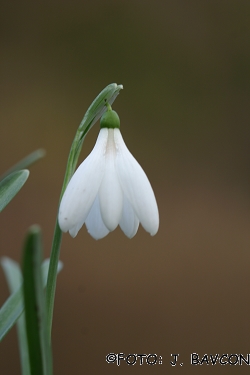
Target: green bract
(110,120)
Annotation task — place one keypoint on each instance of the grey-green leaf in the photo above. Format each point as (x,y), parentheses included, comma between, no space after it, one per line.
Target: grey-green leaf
(11,185)
(25,162)
(35,306)
(14,279)
(13,306)
(10,312)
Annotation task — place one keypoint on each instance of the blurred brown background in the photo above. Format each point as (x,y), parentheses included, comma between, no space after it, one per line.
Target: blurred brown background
(185,67)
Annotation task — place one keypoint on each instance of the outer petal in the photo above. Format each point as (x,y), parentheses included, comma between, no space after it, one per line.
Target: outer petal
(110,193)
(136,186)
(83,187)
(94,222)
(129,221)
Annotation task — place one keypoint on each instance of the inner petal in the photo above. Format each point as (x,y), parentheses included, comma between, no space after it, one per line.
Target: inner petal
(110,193)
(94,222)
(129,221)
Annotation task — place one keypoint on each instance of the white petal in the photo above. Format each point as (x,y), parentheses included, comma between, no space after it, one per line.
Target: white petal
(110,193)
(129,221)
(83,188)
(94,222)
(75,229)
(136,186)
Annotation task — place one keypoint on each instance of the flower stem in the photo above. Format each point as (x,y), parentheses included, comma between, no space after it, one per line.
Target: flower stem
(95,111)
(109,108)
(57,239)
(51,282)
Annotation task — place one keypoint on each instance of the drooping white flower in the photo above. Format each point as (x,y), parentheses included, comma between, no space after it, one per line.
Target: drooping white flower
(109,189)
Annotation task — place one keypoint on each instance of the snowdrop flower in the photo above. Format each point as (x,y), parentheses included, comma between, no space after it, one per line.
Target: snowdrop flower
(109,189)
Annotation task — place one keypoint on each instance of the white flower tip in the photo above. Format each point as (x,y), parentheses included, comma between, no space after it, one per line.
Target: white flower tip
(65,225)
(93,235)
(62,223)
(75,229)
(73,232)
(130,236)
(154,232)
(151,225)
(155,226)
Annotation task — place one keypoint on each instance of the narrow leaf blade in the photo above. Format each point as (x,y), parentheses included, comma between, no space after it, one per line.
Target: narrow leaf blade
(14,278)
(10,312)
(13,306)
(25,162)
(11,185)
(35,306)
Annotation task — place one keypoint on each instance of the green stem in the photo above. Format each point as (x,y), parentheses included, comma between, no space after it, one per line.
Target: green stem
(57,239)
(95,111)
(51,282)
